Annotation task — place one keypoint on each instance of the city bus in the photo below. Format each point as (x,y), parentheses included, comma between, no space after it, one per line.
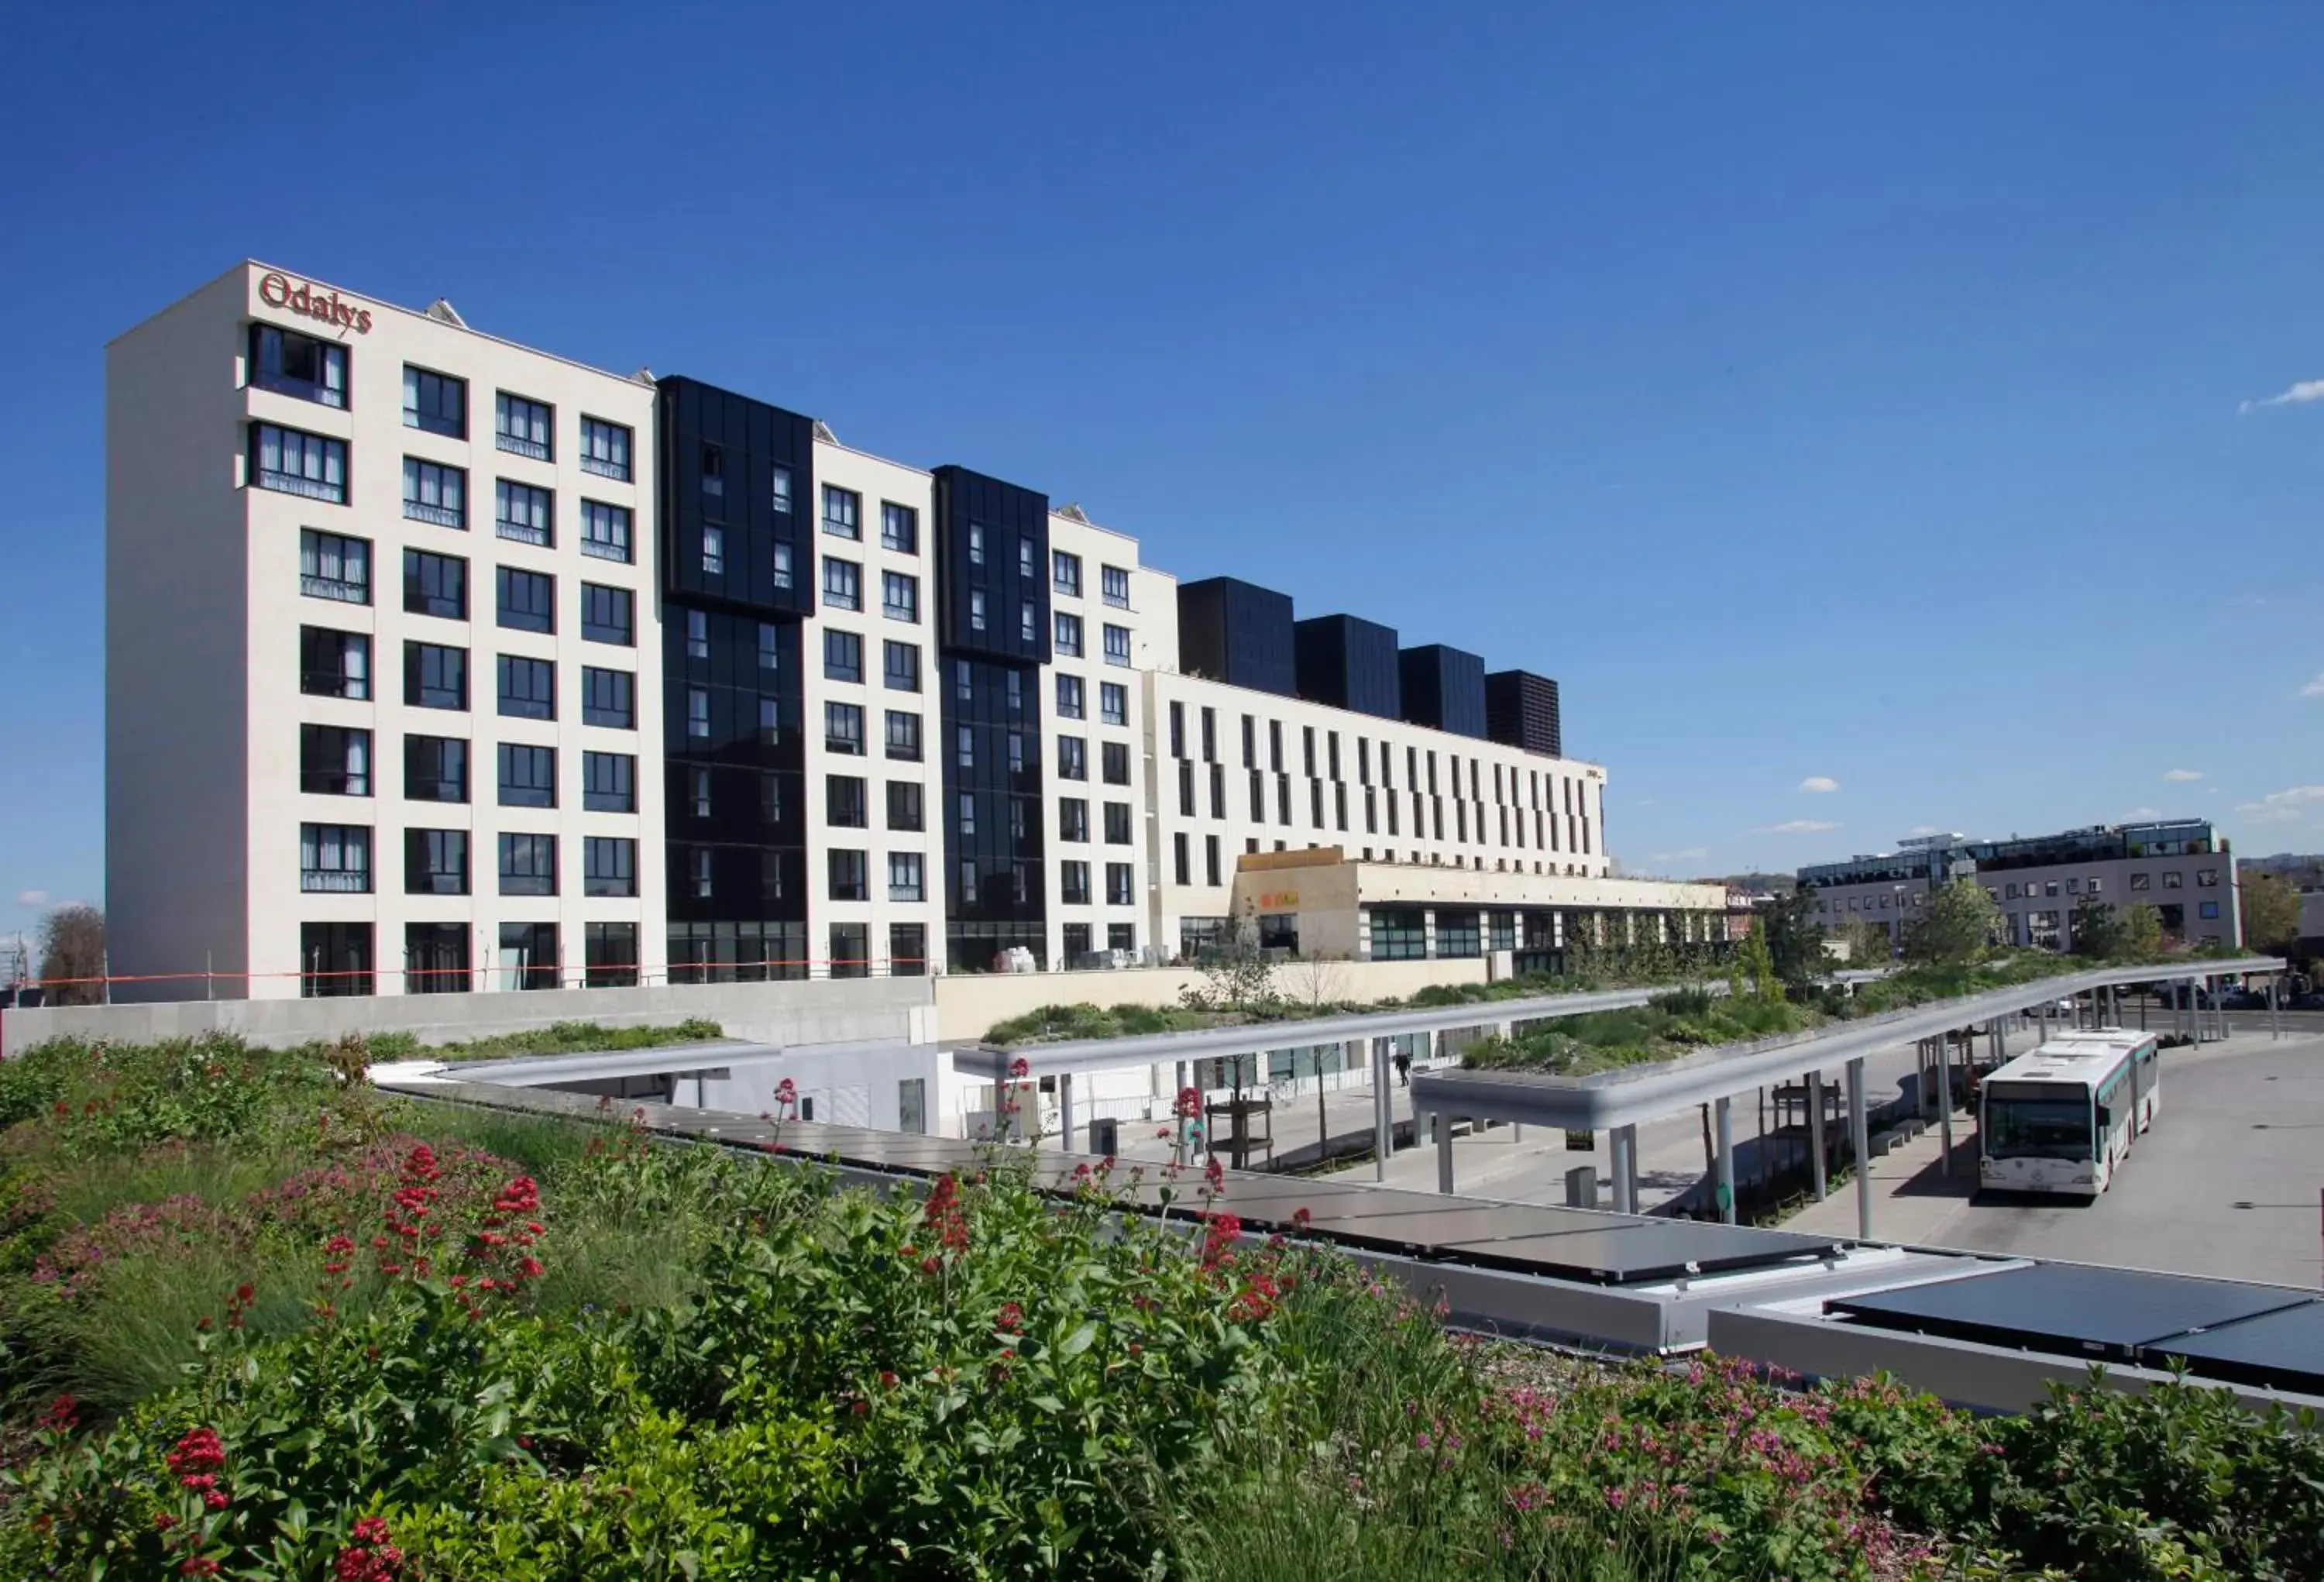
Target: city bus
(2062,1118)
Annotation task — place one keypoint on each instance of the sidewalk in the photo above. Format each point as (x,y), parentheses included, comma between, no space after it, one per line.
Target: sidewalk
(1913,1195)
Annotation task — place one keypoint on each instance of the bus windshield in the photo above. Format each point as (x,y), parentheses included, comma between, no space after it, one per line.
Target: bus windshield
(2037,1128)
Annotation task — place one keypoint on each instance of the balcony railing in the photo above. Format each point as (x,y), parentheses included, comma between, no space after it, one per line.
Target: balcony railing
(291,483)
(436,515)
(519,446)
(337,588)
(606,469)
(523,533)
(336,880)
(606,550)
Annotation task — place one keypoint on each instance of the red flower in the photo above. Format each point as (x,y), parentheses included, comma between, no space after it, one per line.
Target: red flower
(1012,1318)
(61,1416)
(1219,1234)
(1020,1067)
(198,1452)
(1300,1219)
(1214,1175)
(199,1567)
(1189,1106)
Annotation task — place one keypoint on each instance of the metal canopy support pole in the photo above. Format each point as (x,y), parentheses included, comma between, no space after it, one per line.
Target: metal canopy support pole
(1065,1108)
(2274,1016)
(1945,1099)
(1383,1118)
(1725,1160)
(1859,1143)
(1626,1169)
(1444,1125)
(1000,1092)
(1815,1131)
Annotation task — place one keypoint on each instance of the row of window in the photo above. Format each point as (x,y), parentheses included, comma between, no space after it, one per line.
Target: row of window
(1112,701)
(338,857)
(2036,889)
(336,761)
(1549,831)
(1563,793)
(338,664)
(1065,578)
(315,465)
(1067,637)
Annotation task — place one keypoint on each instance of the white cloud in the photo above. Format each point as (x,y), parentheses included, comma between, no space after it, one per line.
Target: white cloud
(2284,807)
(32,898)
(1801,826)
(2299,394)
(2314,688)
(2133,813)
(1819,783)
(1692,854)
(2175,775)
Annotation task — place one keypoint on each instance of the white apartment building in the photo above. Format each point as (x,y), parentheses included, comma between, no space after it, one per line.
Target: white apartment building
(439,664)
(379,651)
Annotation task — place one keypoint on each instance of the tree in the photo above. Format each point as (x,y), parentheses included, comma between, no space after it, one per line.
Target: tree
(2271,910)
(1753,965)
(2099,931)
(2142,927)
(1955,928)
(1865,943)
(1794,940)
(72,947)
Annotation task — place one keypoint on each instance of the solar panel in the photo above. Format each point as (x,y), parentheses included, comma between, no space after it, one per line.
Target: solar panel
(1630,1252)
(2108,1313)
(1448,1223)
(2282,1350)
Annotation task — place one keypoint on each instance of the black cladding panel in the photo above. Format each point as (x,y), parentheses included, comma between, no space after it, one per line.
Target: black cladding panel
(1349,663)
(992,567)
(735,483)
(1443,687)
(1238,633)
(2282,1350)
(2110,1313)
(1521,710)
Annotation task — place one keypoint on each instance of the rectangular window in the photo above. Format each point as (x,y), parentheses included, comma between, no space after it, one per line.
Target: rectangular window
(1073,819)
(967,814)
(2205,879)
(527,600)
(697,713)
(528,776)
(1069,635)
(1069,698)
(843,728)
(520,426)
(1065,573)
(908,957)
(605,531)
(903,736)
(528,688)
(1186,788)
(334,664)
(609,782)
(1115,582)
(334,858)
(842,512)
(851,956)
(1117,823)
(609,865)
(848,882)
(524,514)
(714,474)
(1024,566)
(434,403)
(608,614)
(1115,759)
(782,565)
(1117,645)
(608,699)
(333,566)
(435,676)
(843,655)
(770,721)
(714,552)
(1211,859)
(2209,910)
(334,761)
(843,584)
(782,491)
(904,881)
(435,862)
(901,666)
(904,808)
(297,366)
(965,747)
(1113,703)
(434,769)
(1073,758)
(845,805)
(900,596)
(1074,883)
(2141,880)
(900,528)
(976,609)
(1028,622)
(604,448)
(697,635)
(1180,870)
(698,872)
(610,954)
(527,865)
(435,493)
(1119,889)
(297,463)
(2172,879)
(435,584)
(334,958)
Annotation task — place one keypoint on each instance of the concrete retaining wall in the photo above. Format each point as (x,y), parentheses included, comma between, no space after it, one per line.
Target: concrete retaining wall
(967,1004)
(818,1011)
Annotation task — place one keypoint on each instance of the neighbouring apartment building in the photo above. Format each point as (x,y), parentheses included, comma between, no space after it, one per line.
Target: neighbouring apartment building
(2182,867)
(436,663)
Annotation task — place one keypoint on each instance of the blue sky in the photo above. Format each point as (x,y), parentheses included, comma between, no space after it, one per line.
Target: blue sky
(1819,394)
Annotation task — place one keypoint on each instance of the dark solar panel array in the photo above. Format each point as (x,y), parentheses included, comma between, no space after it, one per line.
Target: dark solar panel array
(1566,1244)
(2222,1328)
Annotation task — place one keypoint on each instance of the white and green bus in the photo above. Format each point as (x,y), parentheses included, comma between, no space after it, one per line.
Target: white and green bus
(2062,1118)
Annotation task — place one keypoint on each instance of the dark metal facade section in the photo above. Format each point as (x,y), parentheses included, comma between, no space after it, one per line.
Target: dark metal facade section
(2110,1313)
(993,772)
(1443,688)
(992,558)
(718,455)
(1239,632)
(1521,711)
(1349,663)
(734,766)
